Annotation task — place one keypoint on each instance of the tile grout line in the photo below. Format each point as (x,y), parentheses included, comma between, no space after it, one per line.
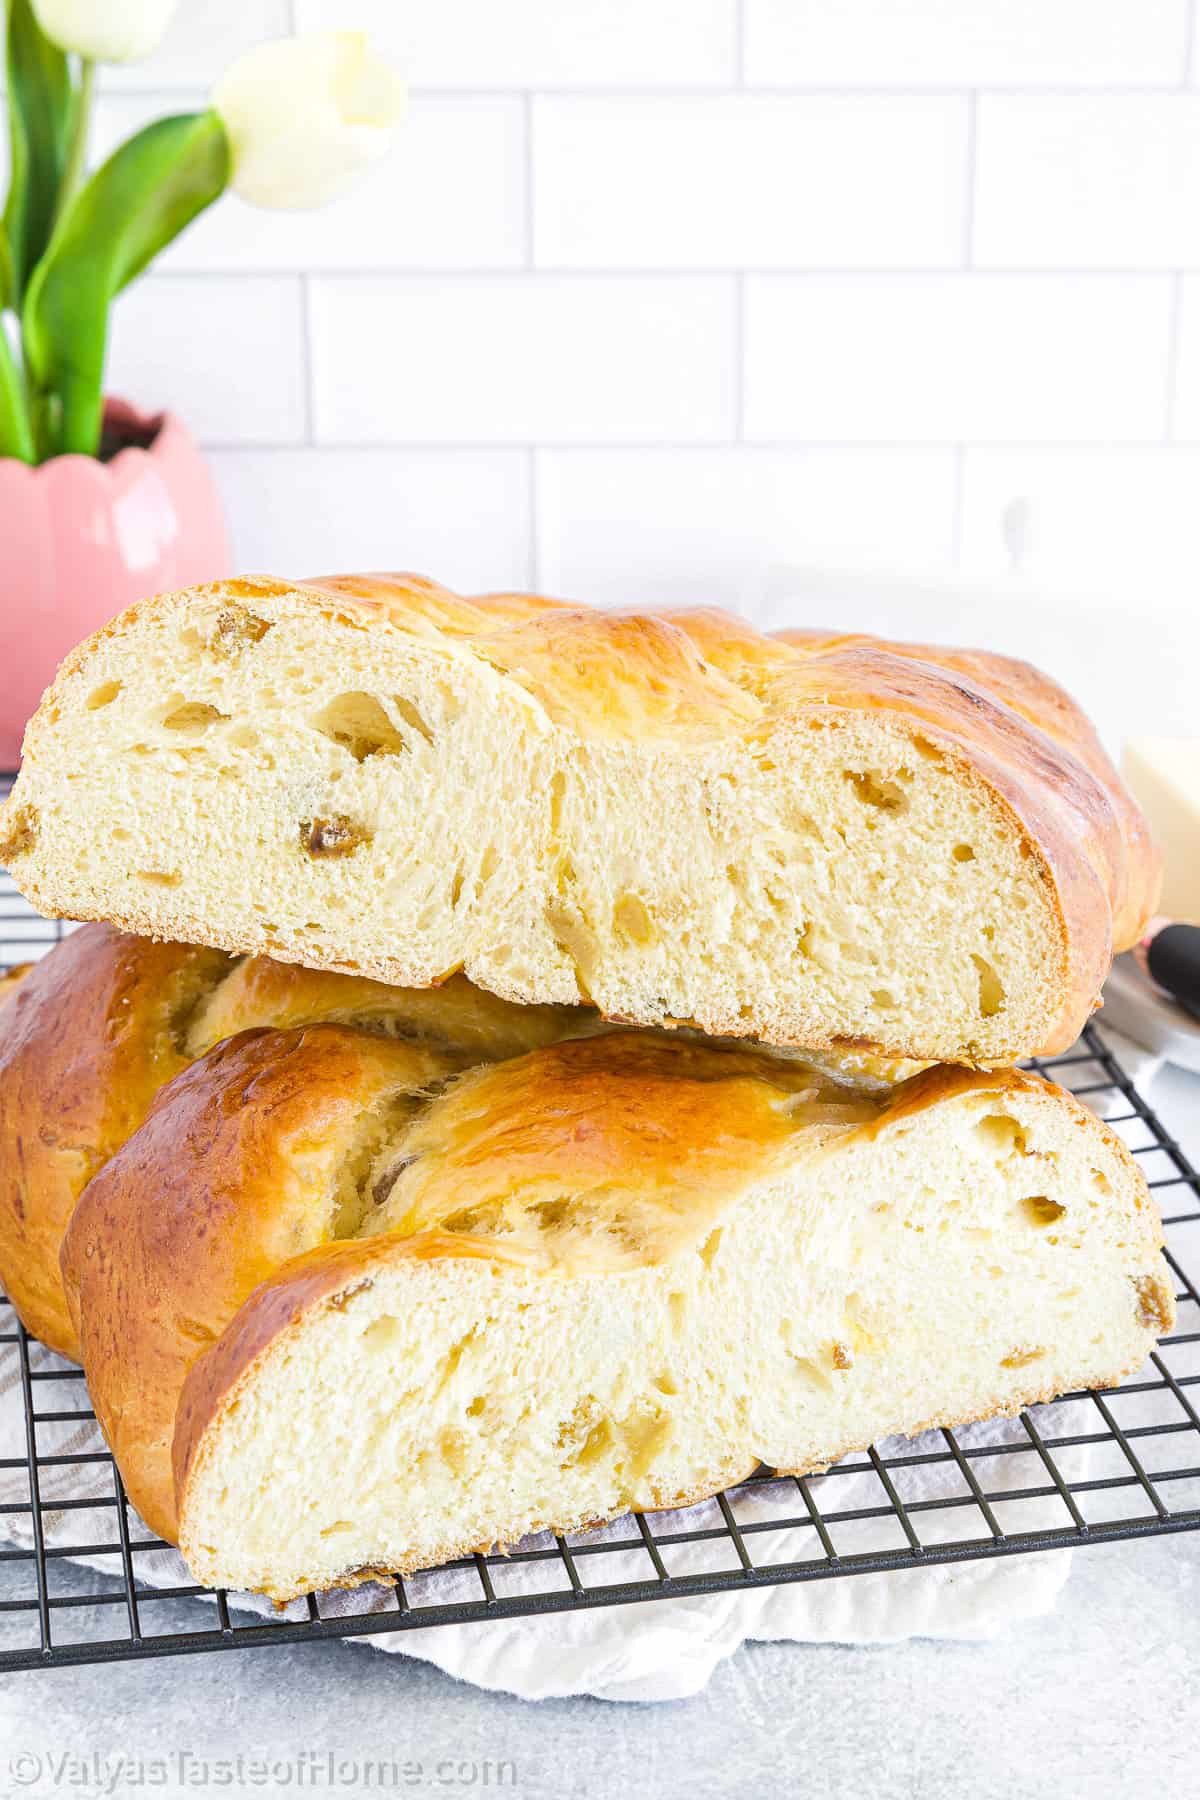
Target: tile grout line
(534,502)
(1189,45)
(949,271)
(956,524)
(1174,326)
(532,524)
(528,191)
(642,90)
(774,446)
(972,154)
(739,357)
(306,356)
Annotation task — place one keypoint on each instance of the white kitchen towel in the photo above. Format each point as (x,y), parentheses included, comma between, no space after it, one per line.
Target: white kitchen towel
(661,1650)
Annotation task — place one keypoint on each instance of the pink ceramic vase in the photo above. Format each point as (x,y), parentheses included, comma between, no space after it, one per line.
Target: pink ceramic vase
(81,539)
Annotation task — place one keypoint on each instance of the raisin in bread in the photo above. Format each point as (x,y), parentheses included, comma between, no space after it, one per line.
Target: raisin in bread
(344,1311)
(812,840)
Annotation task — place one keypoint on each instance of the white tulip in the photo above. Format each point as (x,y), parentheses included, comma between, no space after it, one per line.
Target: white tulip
(305,115)
(114,31)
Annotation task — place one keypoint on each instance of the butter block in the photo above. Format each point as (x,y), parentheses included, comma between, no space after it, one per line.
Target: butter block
(1164,776)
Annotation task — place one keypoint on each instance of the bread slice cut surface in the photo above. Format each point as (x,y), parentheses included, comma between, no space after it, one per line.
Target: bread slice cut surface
(813,841)
(372,1319)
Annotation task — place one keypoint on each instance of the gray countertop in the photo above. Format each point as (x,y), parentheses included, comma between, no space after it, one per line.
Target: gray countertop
(1102,1697)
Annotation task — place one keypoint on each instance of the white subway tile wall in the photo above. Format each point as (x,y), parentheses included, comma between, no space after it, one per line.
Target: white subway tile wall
(464,513)
(611,522)
(958,358)
(745,181)
(658,298)
(524,359)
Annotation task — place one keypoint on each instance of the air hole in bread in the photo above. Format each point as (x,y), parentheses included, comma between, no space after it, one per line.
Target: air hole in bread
(825,950)
(104,695)
(841,1356)
(192,717)
(991,988)
(1002,1133)
(576,943)
(599,1442)
(883,998)
(645,1430)
(360,724)
(558,788)
(411,716)
(666,1384)
(812,1373)
(337,1529)
(632,919)
(455,1356)
(709,1248)
(335,835)
(963,853)
(473,1221)
(1101,1183)
(489,862)
(874,790)
(861,1338)
(586,1435)
(1021,1358)
(383,1333)
(1041,1211)
(160,877)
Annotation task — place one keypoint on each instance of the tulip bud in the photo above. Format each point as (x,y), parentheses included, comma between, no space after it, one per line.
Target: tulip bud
(305,115)
(114,31)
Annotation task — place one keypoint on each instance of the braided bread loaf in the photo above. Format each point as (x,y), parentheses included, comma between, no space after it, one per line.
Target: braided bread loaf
(89,1035)
(810,840)
(344,1310)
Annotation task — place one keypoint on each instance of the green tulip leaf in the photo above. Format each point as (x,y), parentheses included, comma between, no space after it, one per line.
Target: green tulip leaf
(8,290)
(153,186)
(41,103)
(16,437)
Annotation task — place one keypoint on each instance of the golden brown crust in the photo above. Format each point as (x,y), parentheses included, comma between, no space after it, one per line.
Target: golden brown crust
(649,1137)
(232,1174)
(260,991)
(89,1035)
(106,1018)
(689,677)
(92,1032)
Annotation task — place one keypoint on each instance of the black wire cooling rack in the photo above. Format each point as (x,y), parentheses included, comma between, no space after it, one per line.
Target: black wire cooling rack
(1110,1464)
